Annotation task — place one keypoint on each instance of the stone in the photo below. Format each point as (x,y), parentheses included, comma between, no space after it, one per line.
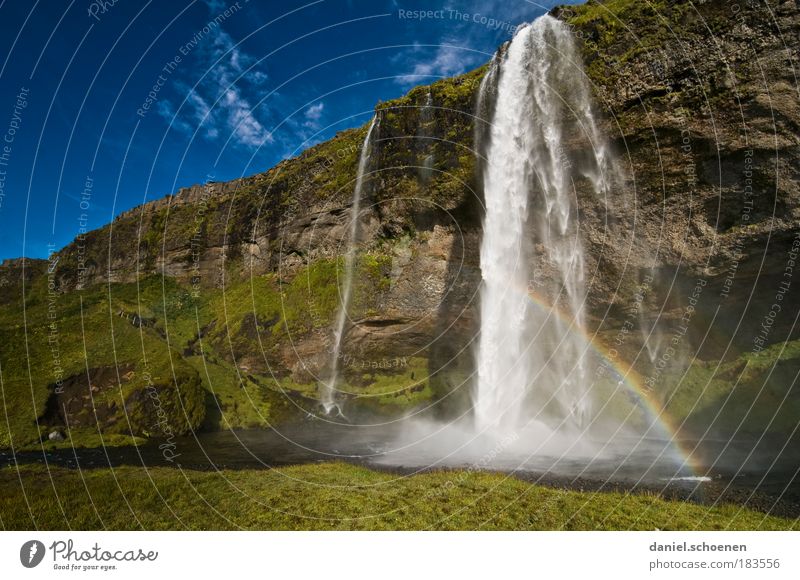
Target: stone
(56,435)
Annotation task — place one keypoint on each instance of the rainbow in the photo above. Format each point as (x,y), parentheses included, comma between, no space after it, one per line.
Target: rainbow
(628,377)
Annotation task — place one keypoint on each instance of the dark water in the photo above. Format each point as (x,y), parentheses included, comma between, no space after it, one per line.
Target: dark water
(761,475)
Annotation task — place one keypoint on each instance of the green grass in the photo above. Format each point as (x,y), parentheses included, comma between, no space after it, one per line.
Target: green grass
(282,308)
(748,395)
(234,400)
(87,334)
(404,387)
(86,437)
(249,321)
(617,31)
(258,313)
(336,496)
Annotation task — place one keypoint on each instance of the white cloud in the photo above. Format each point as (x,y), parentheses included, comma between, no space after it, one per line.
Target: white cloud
(314,112)
(166,111)
(217,104)
(235,63)
(459,44)
(447,61)
(201,108)
(312,116)
(257,77)
(215,6)
(241,120)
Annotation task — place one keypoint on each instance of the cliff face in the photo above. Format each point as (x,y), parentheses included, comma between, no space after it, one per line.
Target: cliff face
(237,282)
(702,107)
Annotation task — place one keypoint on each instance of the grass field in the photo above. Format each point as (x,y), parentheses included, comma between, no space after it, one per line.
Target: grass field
(336,496)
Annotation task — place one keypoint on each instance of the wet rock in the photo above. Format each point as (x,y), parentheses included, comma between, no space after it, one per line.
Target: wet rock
(56,435)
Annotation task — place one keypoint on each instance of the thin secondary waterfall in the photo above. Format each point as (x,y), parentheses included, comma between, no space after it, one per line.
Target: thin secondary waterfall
(328,395)
(531,357)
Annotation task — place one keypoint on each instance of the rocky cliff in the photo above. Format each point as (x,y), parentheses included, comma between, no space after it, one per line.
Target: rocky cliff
(220,299)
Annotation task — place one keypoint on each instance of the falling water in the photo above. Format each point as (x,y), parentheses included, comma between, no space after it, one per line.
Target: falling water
(540,402)
(652,337)
(531,358)
(328,395)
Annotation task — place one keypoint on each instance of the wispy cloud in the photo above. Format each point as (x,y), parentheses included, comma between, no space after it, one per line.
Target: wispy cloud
(242,121)
(218,104)
(313,114)
(257,77)
(447,60)
(466,26)
(166,111)
(215,6)
(500,11)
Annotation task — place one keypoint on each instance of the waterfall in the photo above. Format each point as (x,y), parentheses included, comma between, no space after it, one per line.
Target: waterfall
(328,395)
(531,356)
(544,393)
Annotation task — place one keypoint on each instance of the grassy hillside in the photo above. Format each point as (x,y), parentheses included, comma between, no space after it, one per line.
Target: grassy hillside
(209,361)
(337,496)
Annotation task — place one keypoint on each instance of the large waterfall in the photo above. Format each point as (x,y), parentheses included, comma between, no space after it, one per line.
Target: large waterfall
(531,358)
(547,395)
(328,394)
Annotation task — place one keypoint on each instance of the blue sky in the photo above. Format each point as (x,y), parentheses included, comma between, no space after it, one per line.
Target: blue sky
(141,98)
